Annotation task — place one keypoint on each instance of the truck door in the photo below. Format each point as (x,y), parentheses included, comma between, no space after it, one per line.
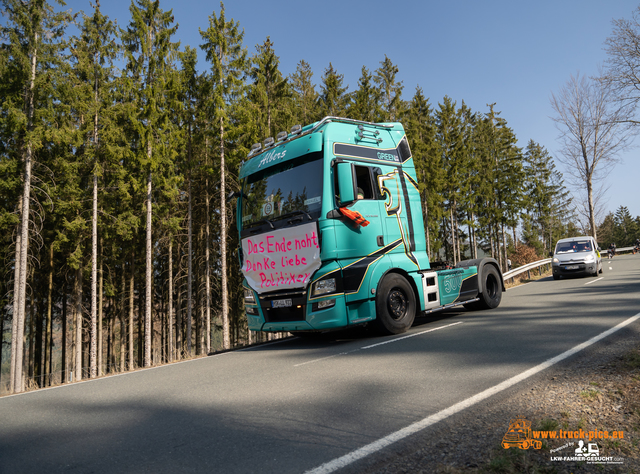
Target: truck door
(356,241)
(392,185)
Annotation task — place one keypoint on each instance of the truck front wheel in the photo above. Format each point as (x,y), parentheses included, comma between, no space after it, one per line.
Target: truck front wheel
(395,305)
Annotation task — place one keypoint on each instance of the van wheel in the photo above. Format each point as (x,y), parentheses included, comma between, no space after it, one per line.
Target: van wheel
(395,305)
(491,290)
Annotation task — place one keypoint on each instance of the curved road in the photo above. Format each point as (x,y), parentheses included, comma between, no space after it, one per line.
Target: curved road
(296,405)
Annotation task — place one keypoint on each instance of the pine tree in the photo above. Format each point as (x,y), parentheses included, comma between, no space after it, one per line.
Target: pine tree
(420,127)
(94,52)
(305,96)
(390,90)
(333,100)
(149,53)
(32,58)
(449,129)
(269,93)
(228,58)
(365,100)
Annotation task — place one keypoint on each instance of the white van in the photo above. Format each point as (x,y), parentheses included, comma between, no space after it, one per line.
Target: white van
(576,256)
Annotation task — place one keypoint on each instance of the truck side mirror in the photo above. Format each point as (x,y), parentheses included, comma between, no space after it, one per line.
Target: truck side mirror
(346,183)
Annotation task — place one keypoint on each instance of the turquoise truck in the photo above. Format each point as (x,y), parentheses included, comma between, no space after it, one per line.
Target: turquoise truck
(332,234)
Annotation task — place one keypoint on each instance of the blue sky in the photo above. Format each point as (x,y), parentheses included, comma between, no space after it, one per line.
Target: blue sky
(509,52)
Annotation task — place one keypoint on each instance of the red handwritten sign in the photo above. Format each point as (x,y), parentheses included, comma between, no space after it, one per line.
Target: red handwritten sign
(281,259)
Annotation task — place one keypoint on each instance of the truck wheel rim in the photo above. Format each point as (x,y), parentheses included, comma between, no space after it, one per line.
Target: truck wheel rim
(397,303)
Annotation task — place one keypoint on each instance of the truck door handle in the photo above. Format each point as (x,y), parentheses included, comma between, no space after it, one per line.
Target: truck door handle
(380,240)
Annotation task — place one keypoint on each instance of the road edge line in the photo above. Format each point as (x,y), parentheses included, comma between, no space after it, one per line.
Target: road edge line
(414,428)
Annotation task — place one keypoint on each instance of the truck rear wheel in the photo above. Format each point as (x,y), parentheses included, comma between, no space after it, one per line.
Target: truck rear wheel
(491,290)
(395,305)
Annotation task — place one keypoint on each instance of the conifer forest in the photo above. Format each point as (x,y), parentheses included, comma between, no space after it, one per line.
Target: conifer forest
(118,151)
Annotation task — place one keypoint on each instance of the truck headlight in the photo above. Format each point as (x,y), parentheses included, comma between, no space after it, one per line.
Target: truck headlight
(322,287)
(248,297)
(590,258)
(555,260)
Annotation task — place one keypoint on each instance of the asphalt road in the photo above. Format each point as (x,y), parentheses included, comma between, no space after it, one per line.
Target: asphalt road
(292,406)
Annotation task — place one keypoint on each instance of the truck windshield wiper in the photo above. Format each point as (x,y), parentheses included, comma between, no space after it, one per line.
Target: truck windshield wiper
(299,213)
(262,221)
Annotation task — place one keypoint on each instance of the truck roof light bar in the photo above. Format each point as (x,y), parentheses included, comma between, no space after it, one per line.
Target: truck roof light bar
(255,148)
(268,142)
(282,136)
(296,129)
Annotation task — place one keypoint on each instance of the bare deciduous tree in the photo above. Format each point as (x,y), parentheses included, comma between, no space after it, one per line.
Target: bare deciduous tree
(622,72)
(594,128)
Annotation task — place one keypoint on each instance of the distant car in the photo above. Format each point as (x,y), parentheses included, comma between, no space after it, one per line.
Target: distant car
(576,256)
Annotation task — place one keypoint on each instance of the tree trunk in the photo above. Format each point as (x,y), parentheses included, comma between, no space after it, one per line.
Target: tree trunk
(77,313)
(207,258)
(21,259)
(592,217)
(453,236)
(149,262)
(170,343)
(49,335)
(100,308)
(131,313)
(93,352)
(189,268)
(65,365)
(226,341)
(16,311)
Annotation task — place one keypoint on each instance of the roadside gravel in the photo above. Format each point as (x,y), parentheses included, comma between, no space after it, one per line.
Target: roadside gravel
(598,389)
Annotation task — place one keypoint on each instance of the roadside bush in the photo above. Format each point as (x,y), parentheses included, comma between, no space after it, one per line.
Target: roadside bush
(523,255)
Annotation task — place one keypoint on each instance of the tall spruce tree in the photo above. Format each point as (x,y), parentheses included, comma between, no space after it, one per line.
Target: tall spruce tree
(32,55)
(149,53)
(94,52)
(228,57)
(333,99)
(390,90)
(420,126)
(305,96)
(269,93)
(365,100)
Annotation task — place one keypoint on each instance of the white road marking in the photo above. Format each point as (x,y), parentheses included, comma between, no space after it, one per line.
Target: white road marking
(378,344)
(593,281)
(371,448)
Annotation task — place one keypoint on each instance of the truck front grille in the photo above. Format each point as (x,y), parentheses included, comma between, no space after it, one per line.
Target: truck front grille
(295,312)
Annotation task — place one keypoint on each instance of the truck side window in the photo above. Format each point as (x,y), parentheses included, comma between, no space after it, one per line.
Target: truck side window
(363,181)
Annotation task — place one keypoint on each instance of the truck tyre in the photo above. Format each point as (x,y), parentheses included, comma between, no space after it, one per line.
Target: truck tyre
(491,290)
(395,305)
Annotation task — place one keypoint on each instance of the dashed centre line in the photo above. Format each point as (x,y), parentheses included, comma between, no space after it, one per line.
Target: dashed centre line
(376,345)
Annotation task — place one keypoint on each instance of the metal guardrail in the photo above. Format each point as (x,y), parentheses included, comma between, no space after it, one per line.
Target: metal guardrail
(530,266)
(623,249)
(525,268)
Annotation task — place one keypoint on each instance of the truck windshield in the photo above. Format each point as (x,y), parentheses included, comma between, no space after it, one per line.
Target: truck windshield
(289,191)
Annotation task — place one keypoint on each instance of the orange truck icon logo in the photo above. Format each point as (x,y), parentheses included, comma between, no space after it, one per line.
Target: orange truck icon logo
(519,435)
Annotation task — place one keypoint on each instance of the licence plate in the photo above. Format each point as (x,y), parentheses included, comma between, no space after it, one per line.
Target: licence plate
(571,267)
(281,303)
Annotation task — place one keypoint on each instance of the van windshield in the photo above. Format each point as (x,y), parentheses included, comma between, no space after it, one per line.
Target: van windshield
(574,246)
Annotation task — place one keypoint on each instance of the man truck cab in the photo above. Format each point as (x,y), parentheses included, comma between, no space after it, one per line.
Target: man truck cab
(332,235)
